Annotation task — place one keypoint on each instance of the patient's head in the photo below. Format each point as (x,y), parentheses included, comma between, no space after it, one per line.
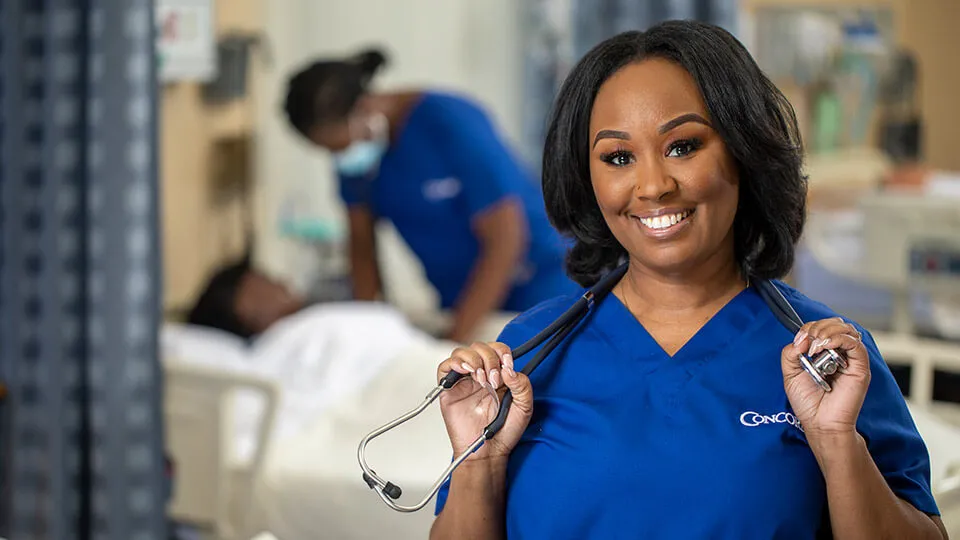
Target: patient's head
(243,301)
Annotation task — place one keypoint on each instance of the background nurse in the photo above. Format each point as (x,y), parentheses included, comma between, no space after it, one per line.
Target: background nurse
(434,165)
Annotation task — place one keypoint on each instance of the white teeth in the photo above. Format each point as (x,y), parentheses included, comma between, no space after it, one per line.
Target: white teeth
(662,222)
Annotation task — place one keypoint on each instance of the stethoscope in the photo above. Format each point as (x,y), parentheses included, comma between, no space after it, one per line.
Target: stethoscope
(819,367)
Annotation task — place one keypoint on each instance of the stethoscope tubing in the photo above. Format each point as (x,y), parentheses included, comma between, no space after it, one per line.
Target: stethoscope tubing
(551,337)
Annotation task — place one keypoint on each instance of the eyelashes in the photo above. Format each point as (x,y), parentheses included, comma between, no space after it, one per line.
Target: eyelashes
(617,158)
(688,147)
(681,148)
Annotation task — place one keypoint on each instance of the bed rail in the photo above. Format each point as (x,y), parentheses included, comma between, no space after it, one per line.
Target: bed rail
(197,413)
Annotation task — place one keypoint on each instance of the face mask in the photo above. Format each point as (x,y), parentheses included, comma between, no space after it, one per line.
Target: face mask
(363,157)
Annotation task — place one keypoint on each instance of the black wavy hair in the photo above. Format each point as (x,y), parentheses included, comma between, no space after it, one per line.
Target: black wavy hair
(754,119)
(216,306)
(327,90)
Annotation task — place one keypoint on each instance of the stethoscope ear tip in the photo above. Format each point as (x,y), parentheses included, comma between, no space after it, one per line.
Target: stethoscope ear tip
(392,490)
(389,489)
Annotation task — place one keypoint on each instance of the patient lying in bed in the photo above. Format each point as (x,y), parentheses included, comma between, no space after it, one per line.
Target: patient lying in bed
(246,323)
(243,301)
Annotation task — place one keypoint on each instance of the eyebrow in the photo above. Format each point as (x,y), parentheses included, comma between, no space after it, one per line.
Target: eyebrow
(671,124)
(610,134)
(683,119)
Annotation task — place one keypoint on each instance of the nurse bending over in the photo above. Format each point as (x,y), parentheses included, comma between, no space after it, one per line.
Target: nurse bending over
(678,407)
(435,166)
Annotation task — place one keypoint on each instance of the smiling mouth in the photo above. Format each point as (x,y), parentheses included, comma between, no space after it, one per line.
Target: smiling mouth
(664,222)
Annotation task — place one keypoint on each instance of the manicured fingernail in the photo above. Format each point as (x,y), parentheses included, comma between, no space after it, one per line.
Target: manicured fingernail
(494,379)
(467,367)
(481,376)
(508,372)
(508,360)
(798,339)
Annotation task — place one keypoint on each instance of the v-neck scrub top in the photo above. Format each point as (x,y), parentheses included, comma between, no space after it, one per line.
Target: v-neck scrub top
(628,442)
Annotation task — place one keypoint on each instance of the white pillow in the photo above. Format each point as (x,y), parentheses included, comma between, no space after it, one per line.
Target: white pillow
(194,345)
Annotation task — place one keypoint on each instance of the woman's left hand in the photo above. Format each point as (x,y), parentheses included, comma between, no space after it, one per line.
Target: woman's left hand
(824,413)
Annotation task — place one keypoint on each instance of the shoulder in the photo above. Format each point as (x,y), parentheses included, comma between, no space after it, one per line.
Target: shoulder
(450,101)
(452,110)
(532,321)
(811,310)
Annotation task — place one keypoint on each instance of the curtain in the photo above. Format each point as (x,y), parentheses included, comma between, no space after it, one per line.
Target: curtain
(79,272)
(562,31)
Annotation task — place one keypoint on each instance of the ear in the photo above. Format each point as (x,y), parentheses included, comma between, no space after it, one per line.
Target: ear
(365,105)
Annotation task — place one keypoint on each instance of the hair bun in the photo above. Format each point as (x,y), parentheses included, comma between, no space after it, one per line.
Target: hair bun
(370,60)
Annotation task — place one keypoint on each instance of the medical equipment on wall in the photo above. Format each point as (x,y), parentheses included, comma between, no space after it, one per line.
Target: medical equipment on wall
(820,367)
(904,242)
(912,242)
(910,239)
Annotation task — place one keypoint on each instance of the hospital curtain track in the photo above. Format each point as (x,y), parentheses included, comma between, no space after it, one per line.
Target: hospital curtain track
(81,441)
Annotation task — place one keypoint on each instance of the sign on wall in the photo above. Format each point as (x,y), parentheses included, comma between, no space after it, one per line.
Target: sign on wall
(186,40)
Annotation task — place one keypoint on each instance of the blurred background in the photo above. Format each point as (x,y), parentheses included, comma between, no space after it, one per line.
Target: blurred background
(144,147)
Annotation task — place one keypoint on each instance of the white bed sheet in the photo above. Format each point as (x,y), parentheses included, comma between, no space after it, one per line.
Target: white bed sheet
(943,443)
(315,357)
(312,487)
(942,439)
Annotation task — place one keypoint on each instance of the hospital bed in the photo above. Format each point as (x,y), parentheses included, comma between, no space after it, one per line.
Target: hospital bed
(242,470)
(939,423)
(212,489)
(889,258)
(261,432)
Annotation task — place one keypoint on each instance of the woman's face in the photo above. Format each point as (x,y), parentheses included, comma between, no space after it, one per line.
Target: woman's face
(260,302)
(336,135)
(663,178)
(333,136)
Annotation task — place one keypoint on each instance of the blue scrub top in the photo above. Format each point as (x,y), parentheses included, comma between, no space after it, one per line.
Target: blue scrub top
(447,166)
(627,442)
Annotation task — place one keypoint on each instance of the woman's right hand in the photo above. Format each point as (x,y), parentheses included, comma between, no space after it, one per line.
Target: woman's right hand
(465,418)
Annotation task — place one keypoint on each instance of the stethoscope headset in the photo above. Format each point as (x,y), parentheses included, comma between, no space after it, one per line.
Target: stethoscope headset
(819,367)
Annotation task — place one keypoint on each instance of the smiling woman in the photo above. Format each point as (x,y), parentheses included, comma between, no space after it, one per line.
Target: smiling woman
(671,150)
(735,116)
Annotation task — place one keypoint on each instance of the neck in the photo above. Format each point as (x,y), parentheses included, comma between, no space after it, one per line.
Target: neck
(704,287)
(396,107)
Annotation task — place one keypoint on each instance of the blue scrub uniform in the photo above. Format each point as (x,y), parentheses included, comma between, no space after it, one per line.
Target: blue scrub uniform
(627,442)
(447,167)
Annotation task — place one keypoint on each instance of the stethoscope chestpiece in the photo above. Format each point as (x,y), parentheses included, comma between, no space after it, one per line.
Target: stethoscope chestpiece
(822,366)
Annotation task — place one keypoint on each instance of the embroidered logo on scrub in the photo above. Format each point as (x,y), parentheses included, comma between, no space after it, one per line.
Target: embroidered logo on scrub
(441,189)
(754,419)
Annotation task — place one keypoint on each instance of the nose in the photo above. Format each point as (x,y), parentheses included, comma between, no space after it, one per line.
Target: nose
(653,182)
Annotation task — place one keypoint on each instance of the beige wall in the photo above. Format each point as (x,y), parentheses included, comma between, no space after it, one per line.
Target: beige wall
(931,29)
(203,164)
